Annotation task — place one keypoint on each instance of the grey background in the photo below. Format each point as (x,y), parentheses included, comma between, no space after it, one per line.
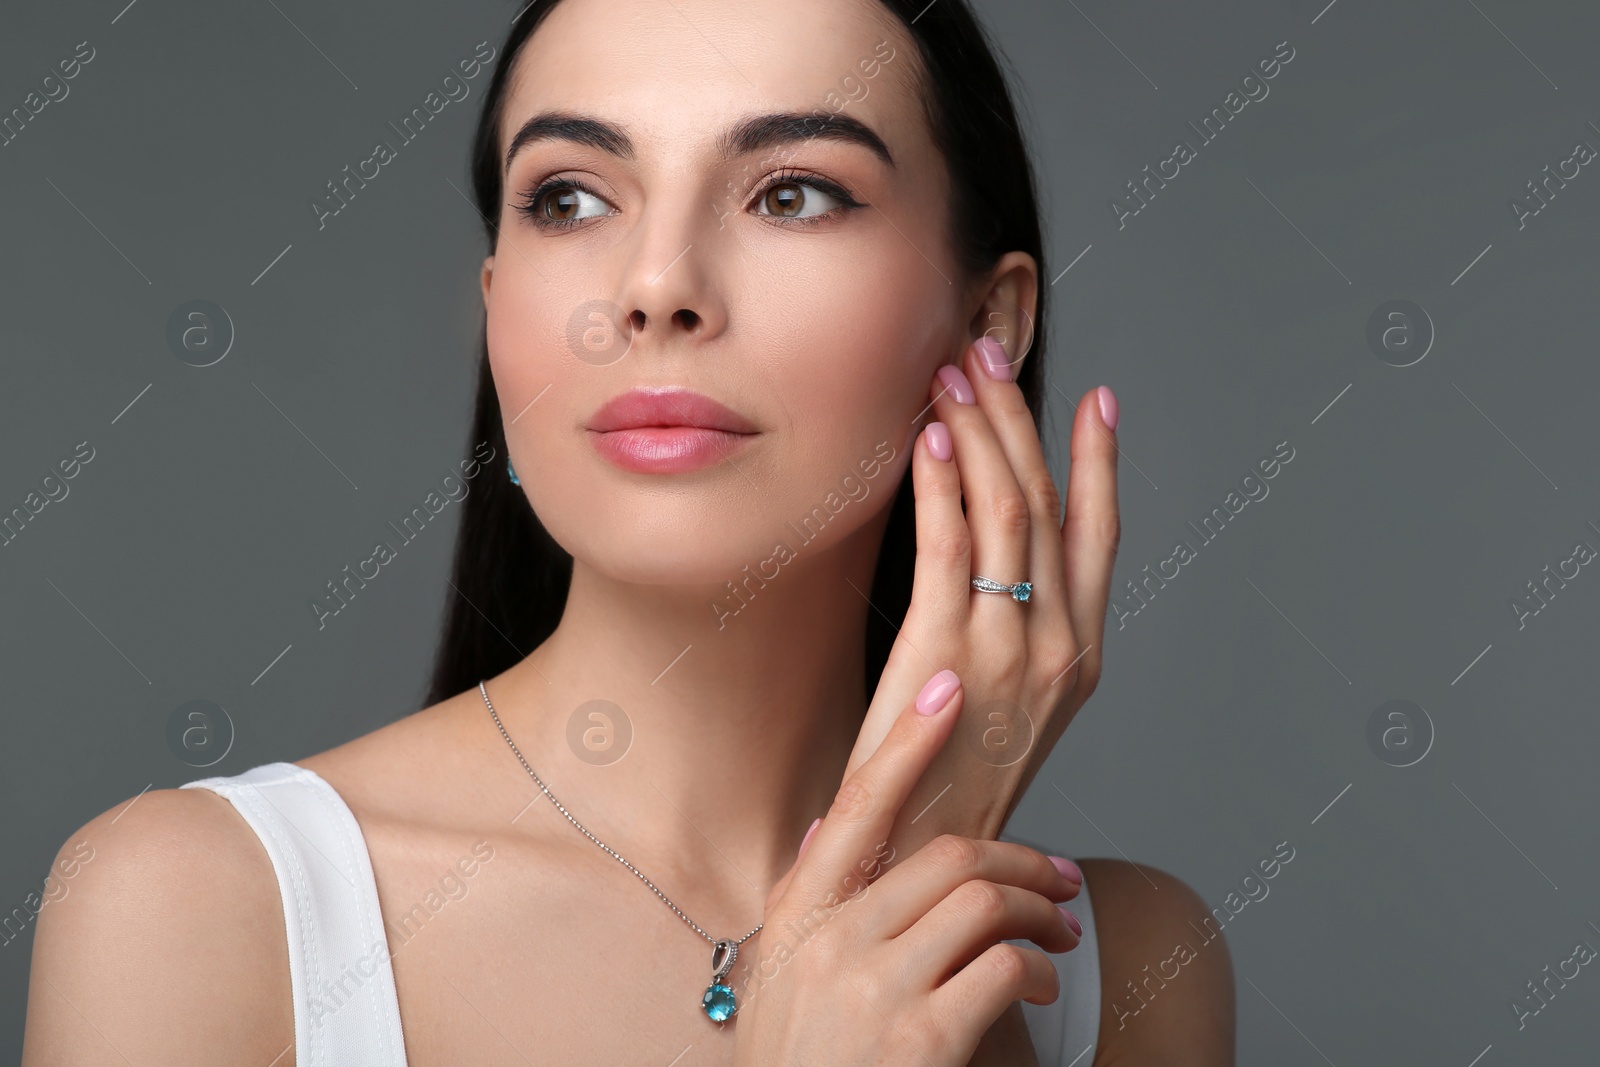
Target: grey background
(1229,315)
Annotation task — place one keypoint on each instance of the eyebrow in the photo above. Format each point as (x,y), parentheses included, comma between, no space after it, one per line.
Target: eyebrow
(748,135)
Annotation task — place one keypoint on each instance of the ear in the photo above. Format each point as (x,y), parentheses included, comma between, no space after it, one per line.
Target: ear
(1008,307)
(488,275)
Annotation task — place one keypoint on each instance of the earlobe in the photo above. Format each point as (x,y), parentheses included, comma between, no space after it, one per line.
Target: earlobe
(485,278)
(1015,342)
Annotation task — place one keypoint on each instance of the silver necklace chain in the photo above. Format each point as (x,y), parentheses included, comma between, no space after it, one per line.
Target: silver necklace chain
(596,840)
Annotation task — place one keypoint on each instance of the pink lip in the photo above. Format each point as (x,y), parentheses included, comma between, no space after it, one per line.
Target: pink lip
(666,431)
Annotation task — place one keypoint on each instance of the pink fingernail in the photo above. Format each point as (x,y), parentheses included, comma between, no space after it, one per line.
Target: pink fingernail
(951,377)
(1072,920)
(1068,869)
(806,840)
(993,358)
(938,435)
(936,694)
(1108,406)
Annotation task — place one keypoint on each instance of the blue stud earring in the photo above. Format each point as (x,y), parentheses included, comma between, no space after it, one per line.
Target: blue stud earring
(513,472)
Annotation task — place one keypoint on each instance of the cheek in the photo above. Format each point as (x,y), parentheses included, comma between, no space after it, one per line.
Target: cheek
(536,333)
(849,372)
(524,346)
(860,362)
(536,379)
(551,333)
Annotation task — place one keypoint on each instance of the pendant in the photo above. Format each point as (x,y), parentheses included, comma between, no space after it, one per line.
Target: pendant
(719,1002)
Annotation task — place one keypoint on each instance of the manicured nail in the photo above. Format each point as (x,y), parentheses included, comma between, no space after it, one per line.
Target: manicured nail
(993,358)
(938,435)
(1068,869)
(1108,406)
(951,377)
(936,694)
(806,840)
(1072,920)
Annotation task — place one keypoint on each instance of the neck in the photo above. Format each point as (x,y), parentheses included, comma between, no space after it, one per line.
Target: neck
(743,711)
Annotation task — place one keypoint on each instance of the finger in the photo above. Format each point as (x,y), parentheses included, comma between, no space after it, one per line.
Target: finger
(1003,974)
(975,916)
(863,812)
(917,884)
(1018,436)
(1092,528)
(996,511)
(944,543)
(940,600)
(940,594)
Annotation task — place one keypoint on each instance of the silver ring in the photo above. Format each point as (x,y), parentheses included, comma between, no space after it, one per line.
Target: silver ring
(1020,592)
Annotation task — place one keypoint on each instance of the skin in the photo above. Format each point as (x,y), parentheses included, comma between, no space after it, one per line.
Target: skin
(169,947)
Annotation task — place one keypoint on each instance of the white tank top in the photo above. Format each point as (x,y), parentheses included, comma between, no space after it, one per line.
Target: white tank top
(346,1012)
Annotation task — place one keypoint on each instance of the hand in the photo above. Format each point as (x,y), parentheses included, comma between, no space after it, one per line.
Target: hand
(909,969)
(1027,667)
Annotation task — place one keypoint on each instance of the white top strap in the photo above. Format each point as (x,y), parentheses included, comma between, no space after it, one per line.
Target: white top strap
(1065,1031)
(1077,1011)
(345,1007)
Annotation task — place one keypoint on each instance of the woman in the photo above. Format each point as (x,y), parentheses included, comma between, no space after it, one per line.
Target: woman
(761,311)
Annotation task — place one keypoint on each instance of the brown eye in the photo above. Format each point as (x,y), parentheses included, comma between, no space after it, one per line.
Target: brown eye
(562,206)
(784,199)
(797,199)
(559,203)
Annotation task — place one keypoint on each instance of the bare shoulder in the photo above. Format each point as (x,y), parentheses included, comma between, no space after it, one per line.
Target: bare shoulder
(160,940)
(408,770)
(1166,976)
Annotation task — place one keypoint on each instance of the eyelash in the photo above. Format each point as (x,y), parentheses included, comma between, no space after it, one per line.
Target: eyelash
(529,203)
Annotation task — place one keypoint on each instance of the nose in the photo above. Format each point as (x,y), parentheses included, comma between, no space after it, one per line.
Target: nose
(661,307)
(669,286)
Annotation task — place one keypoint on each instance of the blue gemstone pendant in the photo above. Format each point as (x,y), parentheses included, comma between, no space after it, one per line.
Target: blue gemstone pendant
(719,1002)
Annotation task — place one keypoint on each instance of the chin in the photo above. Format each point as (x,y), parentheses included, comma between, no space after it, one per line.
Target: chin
(689,540)
(656,539)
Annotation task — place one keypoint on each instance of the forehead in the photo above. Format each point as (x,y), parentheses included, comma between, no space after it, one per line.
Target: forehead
(680,72)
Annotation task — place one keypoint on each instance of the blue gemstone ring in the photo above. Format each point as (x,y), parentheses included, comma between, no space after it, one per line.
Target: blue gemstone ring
(1020,592)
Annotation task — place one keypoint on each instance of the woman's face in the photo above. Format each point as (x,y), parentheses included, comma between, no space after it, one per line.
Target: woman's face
(736,267)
